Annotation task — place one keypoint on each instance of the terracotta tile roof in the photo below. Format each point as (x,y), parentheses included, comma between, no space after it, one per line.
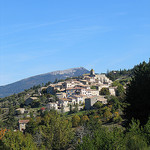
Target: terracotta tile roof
(43,108)
(23,121)
(83,80)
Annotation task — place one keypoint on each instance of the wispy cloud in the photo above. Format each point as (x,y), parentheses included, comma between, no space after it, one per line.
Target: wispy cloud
(27,26)
(77,32)
(29,56)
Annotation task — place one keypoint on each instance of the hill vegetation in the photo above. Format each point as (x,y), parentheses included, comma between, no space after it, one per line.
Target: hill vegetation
(121,124)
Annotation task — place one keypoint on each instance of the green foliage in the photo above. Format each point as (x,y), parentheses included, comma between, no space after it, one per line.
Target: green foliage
(93,87)
(76,107)
(70,108)
(104,91)
(113,75)
(17,140)
(103,139)
(98,105)
(135,138)
(114,101)
(75,120)
(116,83)
(36,104)
(84,119)
(137,94)
(117,118)
(55,132)
(107,115)
(32,126)
(146,131)
(120,90)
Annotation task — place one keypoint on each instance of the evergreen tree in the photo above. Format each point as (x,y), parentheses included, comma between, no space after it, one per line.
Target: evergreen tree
(138,94)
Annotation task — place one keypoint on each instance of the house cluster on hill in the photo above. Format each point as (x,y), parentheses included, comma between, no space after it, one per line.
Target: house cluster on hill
(80,92)
(85,90)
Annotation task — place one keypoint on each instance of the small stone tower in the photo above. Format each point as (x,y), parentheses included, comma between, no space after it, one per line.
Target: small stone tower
(92,73)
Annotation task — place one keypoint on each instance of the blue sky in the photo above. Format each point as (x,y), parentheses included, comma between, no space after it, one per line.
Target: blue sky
(42,36)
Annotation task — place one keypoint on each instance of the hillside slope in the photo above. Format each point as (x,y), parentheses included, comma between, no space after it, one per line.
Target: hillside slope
(27,83)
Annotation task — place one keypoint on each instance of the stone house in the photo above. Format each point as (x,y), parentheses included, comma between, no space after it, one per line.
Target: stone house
(80,91)
(88,92)
(61,95)
(94,92)
(52,88)
(22,124)
(63,102)
(83,86)
(68,84)
(52,106)
(72,100)
(89,102)
(21,110)
(40,90)
(78,99)
(112,91)
(70,91)
(85,82)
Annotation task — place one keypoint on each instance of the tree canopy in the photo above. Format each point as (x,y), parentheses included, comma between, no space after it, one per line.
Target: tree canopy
(138,94)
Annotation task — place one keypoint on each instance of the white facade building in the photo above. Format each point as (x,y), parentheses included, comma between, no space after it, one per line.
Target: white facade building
(52,106)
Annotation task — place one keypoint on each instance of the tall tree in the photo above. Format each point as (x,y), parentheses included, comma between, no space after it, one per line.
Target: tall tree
(17,140)
(55,131)
(138,94)
(104,91)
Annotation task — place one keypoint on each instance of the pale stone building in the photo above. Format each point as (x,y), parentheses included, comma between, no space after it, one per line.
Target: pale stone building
(63,102)
(112,91)
(21,110)
(89,102)
(52,106)
(80,91)
(68,84)
(52,88)
(61,95)
(70,91)
(85,82)
(79,99)
(22,124)
(94,92)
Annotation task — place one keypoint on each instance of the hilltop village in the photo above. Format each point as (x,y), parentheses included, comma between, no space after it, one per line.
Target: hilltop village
(70,95)
(84,92)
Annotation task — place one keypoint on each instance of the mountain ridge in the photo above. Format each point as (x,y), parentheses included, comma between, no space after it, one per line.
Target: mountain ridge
(21,85)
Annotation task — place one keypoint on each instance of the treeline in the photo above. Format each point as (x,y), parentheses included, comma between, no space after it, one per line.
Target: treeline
(115,74)
(103,138)
(56,132)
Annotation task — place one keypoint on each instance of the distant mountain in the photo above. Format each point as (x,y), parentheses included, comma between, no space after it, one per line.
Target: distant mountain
(27,83)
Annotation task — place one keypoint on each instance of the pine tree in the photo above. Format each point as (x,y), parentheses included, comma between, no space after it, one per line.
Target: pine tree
(138,94)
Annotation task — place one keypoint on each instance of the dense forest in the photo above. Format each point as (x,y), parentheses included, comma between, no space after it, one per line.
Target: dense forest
(121,124)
